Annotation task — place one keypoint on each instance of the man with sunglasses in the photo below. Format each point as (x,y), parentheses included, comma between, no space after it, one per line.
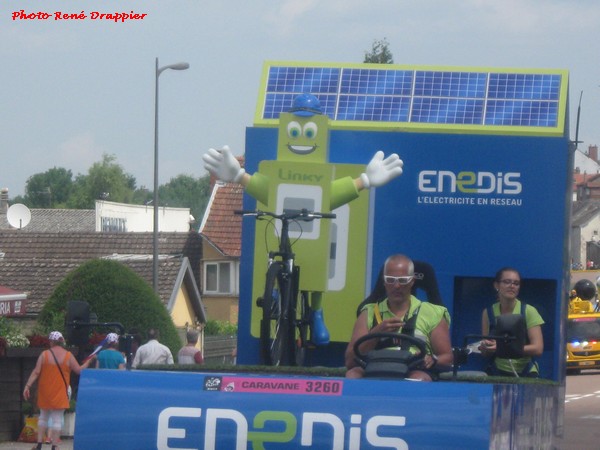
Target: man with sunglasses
(425,282)
(403,313)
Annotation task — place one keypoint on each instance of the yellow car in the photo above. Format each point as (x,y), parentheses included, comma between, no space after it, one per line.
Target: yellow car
(583,341)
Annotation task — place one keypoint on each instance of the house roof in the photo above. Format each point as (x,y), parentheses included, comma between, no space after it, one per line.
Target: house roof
(56,221)
(173,272)
(220,226)
(584,211)
(587,161)
(186,277)
(36,262)
(8,293)
(83,246)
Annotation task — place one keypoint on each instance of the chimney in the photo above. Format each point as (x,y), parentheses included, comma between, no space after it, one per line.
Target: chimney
(593,152)
(3,200)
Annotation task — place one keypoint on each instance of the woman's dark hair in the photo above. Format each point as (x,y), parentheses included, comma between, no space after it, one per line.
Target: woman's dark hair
(505,269)
(153,333)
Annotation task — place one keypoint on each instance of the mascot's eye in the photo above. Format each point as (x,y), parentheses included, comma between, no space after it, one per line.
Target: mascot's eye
(294,130)
(310,130)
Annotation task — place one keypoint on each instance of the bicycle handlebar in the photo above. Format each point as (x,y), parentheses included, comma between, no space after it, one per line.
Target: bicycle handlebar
(288,214)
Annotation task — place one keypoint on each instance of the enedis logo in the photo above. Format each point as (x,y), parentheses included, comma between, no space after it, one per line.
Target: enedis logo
(470,182)
(277,429)
(484,185)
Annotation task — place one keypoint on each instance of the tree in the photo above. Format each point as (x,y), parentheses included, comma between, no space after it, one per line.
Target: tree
(116,294)
(105,180)
(50,189)
(185,191)
(380,53)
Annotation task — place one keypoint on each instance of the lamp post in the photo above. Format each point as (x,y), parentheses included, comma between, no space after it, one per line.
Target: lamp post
(158,71)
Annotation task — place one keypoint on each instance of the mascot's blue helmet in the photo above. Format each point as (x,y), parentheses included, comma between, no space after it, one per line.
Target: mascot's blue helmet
(306,105)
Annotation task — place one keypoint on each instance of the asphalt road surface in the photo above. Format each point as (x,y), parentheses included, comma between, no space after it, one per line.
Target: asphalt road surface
(582,412)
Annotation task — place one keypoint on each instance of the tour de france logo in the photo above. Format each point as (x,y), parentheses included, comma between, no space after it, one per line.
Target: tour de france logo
(212,383)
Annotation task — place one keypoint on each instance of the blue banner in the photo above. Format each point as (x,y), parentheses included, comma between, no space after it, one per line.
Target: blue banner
(180,410)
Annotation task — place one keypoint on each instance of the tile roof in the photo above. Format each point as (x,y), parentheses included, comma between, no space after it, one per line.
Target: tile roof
(31,246)
(56,221)
(39,278)
(36,262)
(221,226)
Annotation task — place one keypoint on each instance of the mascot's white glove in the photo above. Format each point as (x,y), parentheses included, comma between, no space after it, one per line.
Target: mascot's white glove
(223,165)
(380,171)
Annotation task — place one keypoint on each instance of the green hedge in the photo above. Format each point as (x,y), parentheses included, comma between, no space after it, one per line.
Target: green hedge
(116,294)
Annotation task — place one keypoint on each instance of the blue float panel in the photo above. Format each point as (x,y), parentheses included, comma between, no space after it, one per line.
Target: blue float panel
(142,410)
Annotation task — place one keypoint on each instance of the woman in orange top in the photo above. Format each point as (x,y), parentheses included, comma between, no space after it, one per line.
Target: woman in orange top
(52,388)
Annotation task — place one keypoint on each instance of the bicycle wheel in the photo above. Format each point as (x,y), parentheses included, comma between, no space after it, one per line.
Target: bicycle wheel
(275,327)
(302,312)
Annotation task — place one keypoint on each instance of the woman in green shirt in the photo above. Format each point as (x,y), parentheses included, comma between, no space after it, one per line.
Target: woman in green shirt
(507,284)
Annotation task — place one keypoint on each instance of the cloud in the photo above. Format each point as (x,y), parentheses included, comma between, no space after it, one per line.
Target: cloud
(286,16)
(530,17)
(17,38)
(79,152)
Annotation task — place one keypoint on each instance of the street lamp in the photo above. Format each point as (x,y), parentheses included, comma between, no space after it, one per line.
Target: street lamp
(158,71)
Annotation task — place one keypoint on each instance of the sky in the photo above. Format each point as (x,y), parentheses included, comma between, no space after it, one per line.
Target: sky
(74,90)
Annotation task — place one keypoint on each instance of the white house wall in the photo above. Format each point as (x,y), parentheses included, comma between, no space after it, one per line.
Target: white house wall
(585,164)
(120,217)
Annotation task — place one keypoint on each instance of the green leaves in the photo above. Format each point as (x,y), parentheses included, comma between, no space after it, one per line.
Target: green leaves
(380,53)
(116,294)
(108,180)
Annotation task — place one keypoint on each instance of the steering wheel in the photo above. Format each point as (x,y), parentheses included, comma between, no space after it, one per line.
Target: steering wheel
(386,362)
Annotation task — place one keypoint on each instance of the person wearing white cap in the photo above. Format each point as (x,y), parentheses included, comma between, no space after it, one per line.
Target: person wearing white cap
(53,371)
(111,357)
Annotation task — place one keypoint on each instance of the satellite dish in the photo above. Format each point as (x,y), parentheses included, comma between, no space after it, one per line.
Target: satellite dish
(18,215)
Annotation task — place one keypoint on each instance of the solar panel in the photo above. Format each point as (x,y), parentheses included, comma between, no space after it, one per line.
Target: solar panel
(364,95)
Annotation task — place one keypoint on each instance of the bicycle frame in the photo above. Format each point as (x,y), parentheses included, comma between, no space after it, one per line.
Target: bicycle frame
(285,321)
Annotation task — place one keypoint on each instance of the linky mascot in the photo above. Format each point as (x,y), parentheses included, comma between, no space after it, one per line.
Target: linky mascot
(301,177)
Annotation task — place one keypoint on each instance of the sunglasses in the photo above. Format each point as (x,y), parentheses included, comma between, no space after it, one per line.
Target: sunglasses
(400,280)
(516,283)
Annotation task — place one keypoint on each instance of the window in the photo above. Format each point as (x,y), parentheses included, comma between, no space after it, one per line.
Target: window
(219,278)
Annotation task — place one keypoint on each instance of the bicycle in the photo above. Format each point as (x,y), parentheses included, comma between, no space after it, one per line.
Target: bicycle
(285,318)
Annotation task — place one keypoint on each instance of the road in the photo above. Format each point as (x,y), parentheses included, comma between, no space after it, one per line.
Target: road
(582,412)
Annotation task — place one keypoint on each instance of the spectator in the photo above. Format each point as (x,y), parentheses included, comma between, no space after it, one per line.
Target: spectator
(111,357)
(53,370)
(152,352)
(189,353)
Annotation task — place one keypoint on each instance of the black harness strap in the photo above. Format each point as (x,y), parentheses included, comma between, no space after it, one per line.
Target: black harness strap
(408,329)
